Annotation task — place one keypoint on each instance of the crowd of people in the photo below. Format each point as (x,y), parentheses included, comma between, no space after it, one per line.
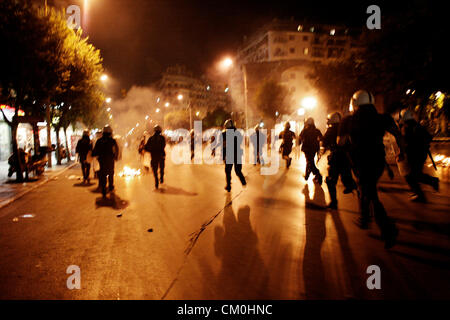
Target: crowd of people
(354,142)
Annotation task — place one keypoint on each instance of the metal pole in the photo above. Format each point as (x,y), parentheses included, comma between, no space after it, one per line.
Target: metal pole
(245,96)
(49,138)
(190,115)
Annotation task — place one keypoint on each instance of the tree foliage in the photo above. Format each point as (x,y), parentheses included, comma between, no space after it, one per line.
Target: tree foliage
(270,98)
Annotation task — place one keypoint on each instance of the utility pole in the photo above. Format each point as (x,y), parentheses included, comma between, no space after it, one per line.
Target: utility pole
(244,70)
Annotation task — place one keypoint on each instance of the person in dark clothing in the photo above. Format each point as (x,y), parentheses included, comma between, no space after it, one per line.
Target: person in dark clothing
(107,151)
(258,140)
(310,138)
(84,146)
(338,163)
(288,137)
(364,131)
(417,146)
(233,156)
(155,145)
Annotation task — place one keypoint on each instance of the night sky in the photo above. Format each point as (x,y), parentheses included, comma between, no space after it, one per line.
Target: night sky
(140,38)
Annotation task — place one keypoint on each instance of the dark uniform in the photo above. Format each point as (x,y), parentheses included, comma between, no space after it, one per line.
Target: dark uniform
(310,139)
(155,145)
(107,151)
(365,130)
(338,164)
(83,147)
(258,140)
(288,137)
(417,144)
(233,158)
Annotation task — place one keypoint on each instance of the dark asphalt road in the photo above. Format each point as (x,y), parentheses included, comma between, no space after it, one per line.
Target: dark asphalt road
(272,240)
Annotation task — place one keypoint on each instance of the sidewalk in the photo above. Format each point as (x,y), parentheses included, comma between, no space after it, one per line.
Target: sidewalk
(10,190)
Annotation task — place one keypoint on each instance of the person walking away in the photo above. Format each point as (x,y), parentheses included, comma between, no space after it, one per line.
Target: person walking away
(338,163)
(417,147)
(364,130)
(95,163)
(84,151)
(258,140)
(287,137)
(155,145)
(310,138)
(234,156)
(107,151)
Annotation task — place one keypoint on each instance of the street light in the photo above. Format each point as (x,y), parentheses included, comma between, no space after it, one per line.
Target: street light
(103,77)
(157,110)
(301,111)
(180,97)
(166,105)
(226,63)
(108,100)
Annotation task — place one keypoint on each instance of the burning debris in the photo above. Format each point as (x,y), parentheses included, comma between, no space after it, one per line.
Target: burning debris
(128,172)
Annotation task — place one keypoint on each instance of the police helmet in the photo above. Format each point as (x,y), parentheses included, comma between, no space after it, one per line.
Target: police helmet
(359,98)
(334,118)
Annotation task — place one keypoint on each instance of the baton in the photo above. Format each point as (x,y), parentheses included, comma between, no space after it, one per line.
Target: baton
(432,160)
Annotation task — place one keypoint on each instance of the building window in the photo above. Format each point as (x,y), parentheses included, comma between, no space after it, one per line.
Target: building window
(291,50)
(300,27)
(292,37)
(305,38)
(306,51)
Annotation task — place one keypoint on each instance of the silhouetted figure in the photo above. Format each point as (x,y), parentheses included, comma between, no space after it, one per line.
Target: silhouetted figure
(288,137)
(310,140)
(234,156)
(84,146)
(155,145)
(338,163)
(417,147)
(364,131)
(107,151)
(258,140)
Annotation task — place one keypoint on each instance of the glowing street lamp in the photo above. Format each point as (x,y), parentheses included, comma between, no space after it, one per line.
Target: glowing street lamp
(108,109)
(108,100)
(157,110)
(104,77)
(166,105)
(197,113)
(301,111)
(226,63)
(146,117)
(180,97)
(309,102)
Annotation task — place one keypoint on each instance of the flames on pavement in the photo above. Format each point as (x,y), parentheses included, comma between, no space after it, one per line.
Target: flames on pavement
(128,172)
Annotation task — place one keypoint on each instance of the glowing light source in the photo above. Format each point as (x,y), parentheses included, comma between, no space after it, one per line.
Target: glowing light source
(166,105)
(157,110)
(180,97)
(103,77)
(197,113)
(301,111)
(226,63)
(128,172)
(309,102)
(108,100)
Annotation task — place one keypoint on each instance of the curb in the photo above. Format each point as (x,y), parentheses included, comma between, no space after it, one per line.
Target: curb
(21,194)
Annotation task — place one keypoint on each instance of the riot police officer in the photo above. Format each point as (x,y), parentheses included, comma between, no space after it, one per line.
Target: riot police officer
(156,145)
(338,163)
(233,156)
(288,137)
(364,130)
(310,138)
(107,151)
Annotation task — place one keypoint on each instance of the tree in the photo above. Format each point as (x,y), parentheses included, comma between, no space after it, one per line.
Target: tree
(270,98)
(336,83)
(42,61)
(215,118)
